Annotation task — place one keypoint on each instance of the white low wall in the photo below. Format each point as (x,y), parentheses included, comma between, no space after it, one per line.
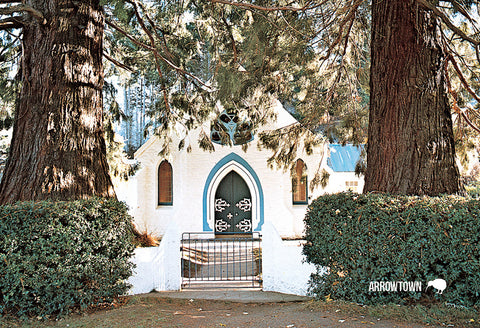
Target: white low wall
(158,268)
(283,264)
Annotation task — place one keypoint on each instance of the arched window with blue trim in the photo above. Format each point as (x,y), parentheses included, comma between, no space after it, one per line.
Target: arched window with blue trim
(165,183)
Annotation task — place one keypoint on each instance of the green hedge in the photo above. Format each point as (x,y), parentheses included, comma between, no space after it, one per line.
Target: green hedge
(375,237)
(57,256)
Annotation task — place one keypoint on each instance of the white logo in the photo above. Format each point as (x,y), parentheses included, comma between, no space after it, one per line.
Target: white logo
(221,225)
(395,286)
(406,286)
(438,284)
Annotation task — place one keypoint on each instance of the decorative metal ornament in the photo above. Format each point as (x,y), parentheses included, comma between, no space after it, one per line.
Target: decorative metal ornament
(245,205)
(221,225)
(227,129)
(221,204)
(229,216)
(245,225)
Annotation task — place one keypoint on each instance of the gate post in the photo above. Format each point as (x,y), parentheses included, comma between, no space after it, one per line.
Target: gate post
(284,269)
(166,263)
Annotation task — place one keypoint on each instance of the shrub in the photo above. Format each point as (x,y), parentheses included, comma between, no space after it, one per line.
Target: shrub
(145,239)
(57,256)
(376,237)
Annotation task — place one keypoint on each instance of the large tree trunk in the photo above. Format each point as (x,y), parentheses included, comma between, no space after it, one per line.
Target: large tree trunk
(58,149)
(410,138)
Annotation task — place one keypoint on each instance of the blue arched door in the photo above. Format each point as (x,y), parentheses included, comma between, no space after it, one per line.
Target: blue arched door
(233,205)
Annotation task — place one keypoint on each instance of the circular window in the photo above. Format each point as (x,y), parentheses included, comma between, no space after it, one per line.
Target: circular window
(228,129)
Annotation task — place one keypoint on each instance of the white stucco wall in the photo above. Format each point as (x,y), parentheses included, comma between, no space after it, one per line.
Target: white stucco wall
(126,191)
(337,180)
(190,173)
(143,278)
(158,268)
(284,268)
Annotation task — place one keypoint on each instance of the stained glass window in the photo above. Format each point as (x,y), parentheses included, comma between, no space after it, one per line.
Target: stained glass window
(228,129)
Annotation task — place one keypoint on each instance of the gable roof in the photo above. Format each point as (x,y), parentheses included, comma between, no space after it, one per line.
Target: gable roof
(282,119)
(343,158)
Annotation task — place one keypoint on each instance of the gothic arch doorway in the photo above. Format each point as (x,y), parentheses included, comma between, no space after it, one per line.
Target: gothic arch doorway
(243,174)
(233,205)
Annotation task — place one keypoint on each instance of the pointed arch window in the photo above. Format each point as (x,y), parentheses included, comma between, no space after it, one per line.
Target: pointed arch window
(299,183)
(165,184)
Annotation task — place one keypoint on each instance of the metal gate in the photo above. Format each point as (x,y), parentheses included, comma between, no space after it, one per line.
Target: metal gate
(230,261)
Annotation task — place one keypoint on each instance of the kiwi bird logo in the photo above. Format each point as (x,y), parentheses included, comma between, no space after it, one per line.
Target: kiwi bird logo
(438,284)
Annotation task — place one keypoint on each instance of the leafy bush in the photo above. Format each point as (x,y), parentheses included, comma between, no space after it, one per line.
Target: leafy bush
(56,256)
(376,237)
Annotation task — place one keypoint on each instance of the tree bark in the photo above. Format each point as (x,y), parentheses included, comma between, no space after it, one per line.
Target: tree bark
(410,137)
(58,149)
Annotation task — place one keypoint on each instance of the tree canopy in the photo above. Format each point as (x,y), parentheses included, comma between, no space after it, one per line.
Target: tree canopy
(314,56)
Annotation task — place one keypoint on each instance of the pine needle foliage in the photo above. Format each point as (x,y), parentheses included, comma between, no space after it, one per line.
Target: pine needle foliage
(201,56)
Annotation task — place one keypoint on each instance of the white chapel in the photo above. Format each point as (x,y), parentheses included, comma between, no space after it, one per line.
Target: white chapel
(232,191)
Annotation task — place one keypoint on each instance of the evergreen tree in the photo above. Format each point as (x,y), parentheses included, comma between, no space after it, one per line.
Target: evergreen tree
(410,137)
(58,148)
(312,56)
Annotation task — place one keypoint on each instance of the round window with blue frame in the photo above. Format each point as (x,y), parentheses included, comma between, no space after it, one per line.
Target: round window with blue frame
(227,129)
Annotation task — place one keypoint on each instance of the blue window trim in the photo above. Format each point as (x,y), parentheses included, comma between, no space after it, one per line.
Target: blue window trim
(229,158)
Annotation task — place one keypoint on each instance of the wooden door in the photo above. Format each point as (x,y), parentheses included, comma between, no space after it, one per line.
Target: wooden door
(233,205)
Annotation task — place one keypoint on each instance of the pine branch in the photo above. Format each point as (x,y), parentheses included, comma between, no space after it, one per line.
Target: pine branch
(24,8)
(308,6)
(155,28)
(339,71)
(350,17)
(452,27)
(117,63)
(458,7)
(229,30)
(157,57)
(448,22)
(11,22)
(154,51)
(16,39)
(470,123)
(462,78)
(125,33)
(455,107)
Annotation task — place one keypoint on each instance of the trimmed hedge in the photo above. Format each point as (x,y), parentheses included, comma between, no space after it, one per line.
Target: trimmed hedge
(376,237)
(57,256)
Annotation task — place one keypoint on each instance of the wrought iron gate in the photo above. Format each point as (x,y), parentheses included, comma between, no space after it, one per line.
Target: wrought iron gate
(218,262)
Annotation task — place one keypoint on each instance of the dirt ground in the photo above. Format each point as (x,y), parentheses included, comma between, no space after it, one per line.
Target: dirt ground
(139,312)
(201,313)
